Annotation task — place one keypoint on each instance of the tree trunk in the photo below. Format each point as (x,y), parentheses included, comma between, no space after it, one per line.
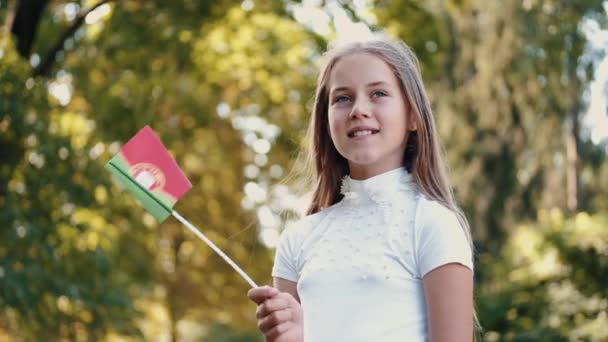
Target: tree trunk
(10,17)
(572,172)
(25,24)
(172,286)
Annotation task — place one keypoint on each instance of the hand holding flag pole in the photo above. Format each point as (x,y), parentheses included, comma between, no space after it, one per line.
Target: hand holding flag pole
(146,169)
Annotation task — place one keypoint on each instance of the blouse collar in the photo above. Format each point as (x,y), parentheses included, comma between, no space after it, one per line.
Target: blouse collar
(380,187)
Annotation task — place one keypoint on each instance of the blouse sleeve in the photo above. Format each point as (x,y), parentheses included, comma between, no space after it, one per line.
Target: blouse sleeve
(285,259)
(440,238)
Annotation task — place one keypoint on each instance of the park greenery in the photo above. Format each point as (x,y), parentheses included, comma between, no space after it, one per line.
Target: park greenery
(228,86)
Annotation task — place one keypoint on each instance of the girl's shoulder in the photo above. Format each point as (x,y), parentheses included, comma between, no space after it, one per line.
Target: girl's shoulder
(431,209)
(297,233)
(440,237)
(306,224)
(434,217)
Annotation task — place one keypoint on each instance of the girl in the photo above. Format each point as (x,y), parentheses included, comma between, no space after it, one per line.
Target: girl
(384,254)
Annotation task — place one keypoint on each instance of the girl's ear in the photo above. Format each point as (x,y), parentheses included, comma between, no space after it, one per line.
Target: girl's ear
(412,126)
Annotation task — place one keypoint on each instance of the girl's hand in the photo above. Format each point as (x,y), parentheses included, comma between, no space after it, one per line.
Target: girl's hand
(279,314)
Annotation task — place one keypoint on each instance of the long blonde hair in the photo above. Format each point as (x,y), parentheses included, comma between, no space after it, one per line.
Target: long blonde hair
(423,156)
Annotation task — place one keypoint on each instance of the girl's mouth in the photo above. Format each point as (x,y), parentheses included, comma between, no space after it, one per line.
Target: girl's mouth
(356,133)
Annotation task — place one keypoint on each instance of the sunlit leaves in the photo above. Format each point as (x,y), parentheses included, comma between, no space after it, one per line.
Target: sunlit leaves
(554,266)
(225,85)
(254,57)
(59,250)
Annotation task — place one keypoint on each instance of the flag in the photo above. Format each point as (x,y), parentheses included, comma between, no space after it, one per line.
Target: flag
(146,169)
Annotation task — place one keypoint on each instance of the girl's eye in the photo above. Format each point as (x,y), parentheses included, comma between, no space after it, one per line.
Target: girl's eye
(379,93)
(341,98)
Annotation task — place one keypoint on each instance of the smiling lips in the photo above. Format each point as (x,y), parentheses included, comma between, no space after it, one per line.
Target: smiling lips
(362,131)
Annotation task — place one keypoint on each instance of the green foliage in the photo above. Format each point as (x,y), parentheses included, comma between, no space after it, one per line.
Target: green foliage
(54,228)
(81,260)
(503,80)
(153,67)
(222,333)
(547,283)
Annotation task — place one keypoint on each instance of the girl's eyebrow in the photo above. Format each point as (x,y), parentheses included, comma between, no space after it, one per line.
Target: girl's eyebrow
(369,85)
(375,84)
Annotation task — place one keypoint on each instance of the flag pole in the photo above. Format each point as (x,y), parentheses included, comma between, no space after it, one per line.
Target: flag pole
(214,247)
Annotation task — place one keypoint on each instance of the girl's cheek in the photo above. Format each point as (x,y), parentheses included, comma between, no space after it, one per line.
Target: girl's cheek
(332,124)
(336,114)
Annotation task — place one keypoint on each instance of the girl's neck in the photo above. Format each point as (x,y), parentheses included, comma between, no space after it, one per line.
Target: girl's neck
(362,172)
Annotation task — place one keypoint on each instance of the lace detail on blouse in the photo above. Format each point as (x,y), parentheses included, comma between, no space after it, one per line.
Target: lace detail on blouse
(385,190)
(378,187)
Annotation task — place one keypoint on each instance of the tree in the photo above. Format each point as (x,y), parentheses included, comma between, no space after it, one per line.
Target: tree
(226,86)
(55,229)
(498,75)
(116,69)
(507,89)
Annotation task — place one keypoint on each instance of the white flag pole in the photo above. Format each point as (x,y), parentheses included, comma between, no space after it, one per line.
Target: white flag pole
(214,247)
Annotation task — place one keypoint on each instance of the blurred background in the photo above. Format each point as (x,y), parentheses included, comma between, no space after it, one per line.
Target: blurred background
(519,90)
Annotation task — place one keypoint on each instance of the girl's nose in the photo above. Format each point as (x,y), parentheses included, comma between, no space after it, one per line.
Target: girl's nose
(361,108)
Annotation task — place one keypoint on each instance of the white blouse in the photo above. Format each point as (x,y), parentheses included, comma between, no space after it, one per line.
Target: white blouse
(359,264)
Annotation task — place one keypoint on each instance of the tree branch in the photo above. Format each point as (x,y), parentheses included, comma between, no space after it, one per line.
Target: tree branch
(47,63)
(10,17)
(453,46)
(24,24)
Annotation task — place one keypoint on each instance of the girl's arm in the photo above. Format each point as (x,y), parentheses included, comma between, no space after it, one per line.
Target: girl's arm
(448,292)
(288,286)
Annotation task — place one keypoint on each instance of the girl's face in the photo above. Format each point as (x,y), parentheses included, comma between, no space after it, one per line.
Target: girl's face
(368,120)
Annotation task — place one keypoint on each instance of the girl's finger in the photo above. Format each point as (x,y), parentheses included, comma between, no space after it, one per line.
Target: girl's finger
(269,325)
(271,305)
(260,294)
(277,331)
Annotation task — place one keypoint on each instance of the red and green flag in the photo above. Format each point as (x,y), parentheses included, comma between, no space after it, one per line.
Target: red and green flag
(146,169)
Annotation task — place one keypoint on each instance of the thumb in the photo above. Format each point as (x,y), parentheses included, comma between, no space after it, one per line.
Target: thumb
(260,294)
